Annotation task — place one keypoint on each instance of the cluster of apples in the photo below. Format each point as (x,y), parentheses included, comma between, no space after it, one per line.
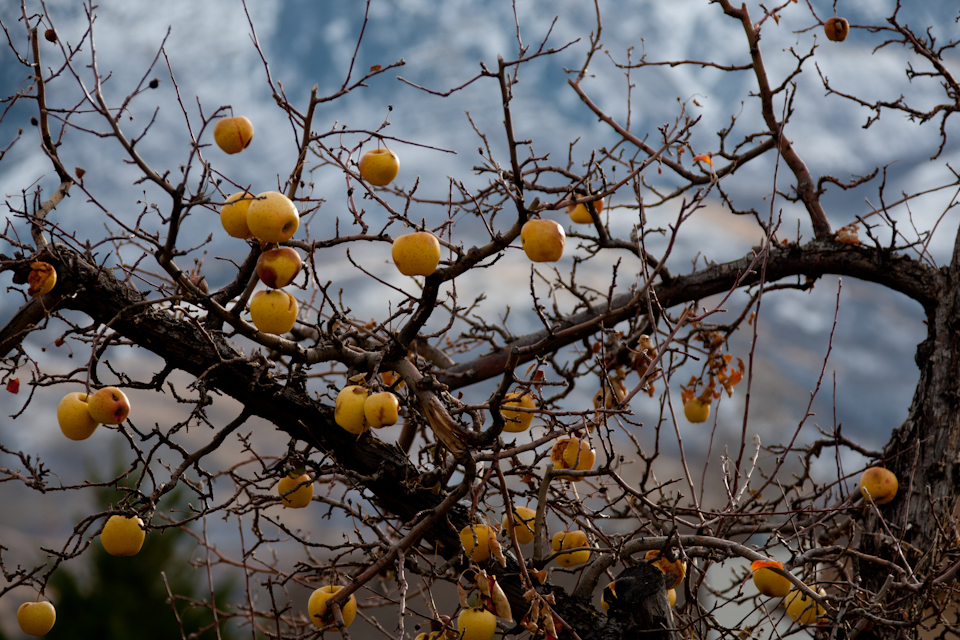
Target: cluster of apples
(479,541)
(79,414)
(272,218)
(877,485)
(357,410)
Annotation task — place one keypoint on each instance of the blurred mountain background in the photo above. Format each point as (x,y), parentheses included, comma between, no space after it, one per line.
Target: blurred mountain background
(868,381)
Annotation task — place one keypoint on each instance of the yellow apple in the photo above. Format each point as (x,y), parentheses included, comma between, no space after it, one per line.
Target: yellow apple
(579,214)
(42,278)
(348,411)
(573,453)
(272,217)
(296,491)
(476,624)
(476,541)
(517,421)
(696,410)
(879,484)
(233,215)
(416,254)
(603,596)
(433,635)
(672,597)
(123,536)
(524,524)
(802,609)
(770,583)
(74,416)
(542,240)
(233,134)
(605,397)
(36,618)
(278,267)
(108,405)
(381,409)
(274,311)
(673,572)
(317,606)
(379,167)
(563,540)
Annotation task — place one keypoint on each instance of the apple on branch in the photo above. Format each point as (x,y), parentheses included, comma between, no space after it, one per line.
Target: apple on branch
(234,134)
(274,311)
(416,254)
(272,217)
(108,405)
(379,167)
(278,267)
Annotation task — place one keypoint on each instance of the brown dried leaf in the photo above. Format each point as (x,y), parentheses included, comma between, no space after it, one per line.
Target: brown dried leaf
(501,605)
(497,551)
(462,595)
(484,582)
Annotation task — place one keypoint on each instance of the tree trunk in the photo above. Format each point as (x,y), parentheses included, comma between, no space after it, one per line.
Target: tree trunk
(918,529)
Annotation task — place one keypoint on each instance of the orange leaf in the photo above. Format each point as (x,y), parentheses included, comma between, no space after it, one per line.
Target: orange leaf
(13,386)
(703,157)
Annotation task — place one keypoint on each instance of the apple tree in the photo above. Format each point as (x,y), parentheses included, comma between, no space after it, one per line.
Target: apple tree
(543,343)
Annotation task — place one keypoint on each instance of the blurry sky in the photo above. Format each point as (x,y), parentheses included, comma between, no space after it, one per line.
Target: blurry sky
(309,42)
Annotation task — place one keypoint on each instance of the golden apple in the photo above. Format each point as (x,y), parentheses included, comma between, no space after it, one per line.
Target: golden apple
(296,491)
(563,540)
(379,167)
(123,535)
(278,267)
(476,624)
(673,572)
(433,635)
(74,417)
(274,311)
(879,484)
(542,240)
(672,597)
(524,524)
(770,583)
(272,217)
(381,409)
(42,278)
(573,453)
(36,618)
(517,421)
(317,606)
(476,541)
(802,609)
(580,214)
(416,254)
(108,405)
(348,411)
(696,410)
(233,215)
(233,134)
